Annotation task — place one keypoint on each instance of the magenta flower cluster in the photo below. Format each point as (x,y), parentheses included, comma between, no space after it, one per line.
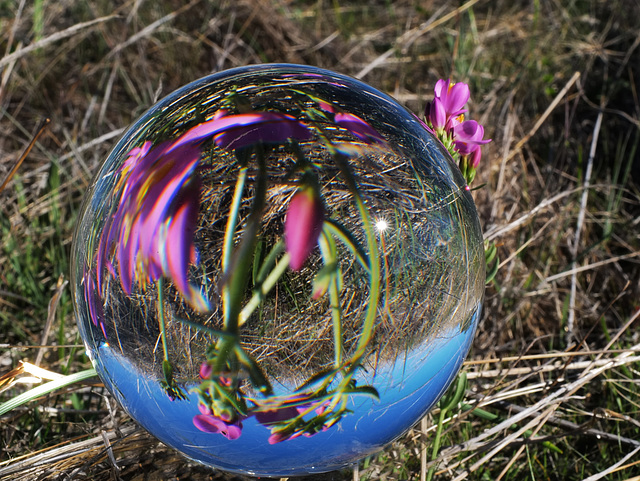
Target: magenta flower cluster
(445,115)
(228,423)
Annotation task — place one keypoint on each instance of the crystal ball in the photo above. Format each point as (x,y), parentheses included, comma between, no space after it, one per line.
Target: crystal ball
(278,270)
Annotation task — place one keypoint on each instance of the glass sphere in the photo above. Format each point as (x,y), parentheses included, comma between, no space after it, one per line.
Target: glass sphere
(278,270)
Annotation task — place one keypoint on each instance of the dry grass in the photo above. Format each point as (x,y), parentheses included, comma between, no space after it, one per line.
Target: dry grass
(555,366)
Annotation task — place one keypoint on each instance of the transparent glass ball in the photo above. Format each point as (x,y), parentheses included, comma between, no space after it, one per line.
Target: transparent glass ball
(278,270)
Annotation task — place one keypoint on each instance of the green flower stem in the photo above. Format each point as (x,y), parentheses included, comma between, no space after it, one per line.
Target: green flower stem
(329,256)
(210,330)
(374,296)
(387,277)
(374,264)
(258,378)
(264,289)
(163,332)
(236,274)
(269,262)
(232,222)
(223,394)
(336,314)
(172,389)
(348,240)
(224,347)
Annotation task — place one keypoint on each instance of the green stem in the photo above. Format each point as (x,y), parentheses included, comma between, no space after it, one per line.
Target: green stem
(264,289)
(258,378)
(224,348)
(387,277)
(336,315)
(340,232)
(232,222)
(329,257)
(269,262)
(207,329)
(237,272)
(374,263)
(374,296)
(163,332)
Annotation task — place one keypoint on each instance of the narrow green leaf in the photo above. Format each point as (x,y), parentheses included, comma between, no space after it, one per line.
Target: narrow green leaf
(342,233)
(45,389)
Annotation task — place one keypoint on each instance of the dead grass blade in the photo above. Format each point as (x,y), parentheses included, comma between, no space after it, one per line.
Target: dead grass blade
(547,405)
(51,315)
(542,119)
(69,32)
(12,172)
(149,29)
(26,373)
(570,334)
(613,467)
(409,37)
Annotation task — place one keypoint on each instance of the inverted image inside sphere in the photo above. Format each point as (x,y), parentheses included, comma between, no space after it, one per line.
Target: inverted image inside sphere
(278,270)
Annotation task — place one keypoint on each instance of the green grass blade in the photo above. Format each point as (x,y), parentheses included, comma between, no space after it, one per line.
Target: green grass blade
(45,389)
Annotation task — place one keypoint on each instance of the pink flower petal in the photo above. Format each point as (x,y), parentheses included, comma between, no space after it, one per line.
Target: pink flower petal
(205,370)
(358,127)
(457,96)
(209,423)
(474,158)
(453,96)
(437,114)
(276,415)
(468,137)
(240,130)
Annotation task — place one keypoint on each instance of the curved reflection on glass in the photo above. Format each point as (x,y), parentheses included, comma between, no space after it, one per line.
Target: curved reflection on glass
(278,270)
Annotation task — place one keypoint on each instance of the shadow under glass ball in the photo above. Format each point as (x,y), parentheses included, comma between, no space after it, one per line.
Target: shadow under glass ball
(278,270)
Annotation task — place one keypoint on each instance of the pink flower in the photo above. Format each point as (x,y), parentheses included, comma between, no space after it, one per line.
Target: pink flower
(234,131)
(270,418)
(94,301)
(468,137)
(452,122)
(452,95)
(277,415)
(278,437)
(302,225)
(209,423)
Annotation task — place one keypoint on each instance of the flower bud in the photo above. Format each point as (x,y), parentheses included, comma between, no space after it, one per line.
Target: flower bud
(437,115)
(302,225)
